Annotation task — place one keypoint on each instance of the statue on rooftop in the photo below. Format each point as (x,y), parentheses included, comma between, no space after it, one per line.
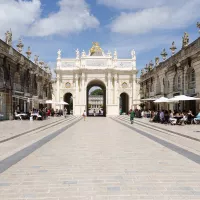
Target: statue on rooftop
(157,61)
(83,53)
(9,37)
(133,54)
(185,40)
(115,54)
(59,54)
(36,59)
(77,54)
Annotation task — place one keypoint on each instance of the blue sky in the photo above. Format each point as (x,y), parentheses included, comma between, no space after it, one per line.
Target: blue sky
(145,26)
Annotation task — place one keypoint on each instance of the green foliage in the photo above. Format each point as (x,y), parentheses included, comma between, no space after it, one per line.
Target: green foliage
(97,92)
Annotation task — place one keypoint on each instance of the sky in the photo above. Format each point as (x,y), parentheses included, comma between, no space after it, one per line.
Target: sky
(147,26)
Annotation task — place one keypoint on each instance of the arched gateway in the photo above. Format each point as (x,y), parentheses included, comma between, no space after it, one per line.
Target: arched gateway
(114,76)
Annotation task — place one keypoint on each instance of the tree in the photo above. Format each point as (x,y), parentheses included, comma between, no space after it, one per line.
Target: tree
(97,92)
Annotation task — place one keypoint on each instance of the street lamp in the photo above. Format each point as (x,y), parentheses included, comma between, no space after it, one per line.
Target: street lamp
(164,54)
(151,65)
(173,48)
(20,46)
(28,53)
(198,26)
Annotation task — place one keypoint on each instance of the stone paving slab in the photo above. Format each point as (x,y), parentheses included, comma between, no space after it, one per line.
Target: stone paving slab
(189,130)
(100,159)
(11,128)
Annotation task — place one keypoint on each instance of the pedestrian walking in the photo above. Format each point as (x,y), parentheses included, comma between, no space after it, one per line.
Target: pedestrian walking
(65,112)
(132,115)
(84,115)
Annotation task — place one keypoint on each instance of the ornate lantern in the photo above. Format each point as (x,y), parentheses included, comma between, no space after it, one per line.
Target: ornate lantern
(157,61)
(151,65)
(20,45)
(41,64)
(146,68)
(198,26)
(173,48)
(164,54)
(28,53)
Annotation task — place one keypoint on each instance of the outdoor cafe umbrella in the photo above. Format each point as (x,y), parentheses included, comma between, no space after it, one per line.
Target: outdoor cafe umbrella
(162,100)
(183,98)
(62,103)
(49,102)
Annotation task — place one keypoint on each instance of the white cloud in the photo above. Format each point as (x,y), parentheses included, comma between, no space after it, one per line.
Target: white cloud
(142,4)
(24,17)
(167,15)
(18,15)
(72,17)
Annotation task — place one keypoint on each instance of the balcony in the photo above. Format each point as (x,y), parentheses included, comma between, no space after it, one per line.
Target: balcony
(191,91)
(17,87)
(151,94)
(2,85)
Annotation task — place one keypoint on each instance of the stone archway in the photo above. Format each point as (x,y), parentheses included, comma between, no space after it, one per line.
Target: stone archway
(68,98)
(124,103)
(100,84)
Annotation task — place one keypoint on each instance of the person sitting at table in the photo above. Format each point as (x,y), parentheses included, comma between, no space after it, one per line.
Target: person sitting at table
(183,119)
(172,120)
(18,115)
(197,118)
(190,117)
(162,117)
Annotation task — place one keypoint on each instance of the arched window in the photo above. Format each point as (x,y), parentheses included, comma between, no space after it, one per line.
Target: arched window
(1,75)
(179,82)
(17,78)
(191,79)
(158,86)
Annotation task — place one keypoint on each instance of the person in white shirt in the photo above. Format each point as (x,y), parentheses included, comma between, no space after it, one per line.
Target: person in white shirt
(172,120)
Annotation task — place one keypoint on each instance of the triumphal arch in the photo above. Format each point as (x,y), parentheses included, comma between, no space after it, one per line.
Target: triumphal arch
(116,77)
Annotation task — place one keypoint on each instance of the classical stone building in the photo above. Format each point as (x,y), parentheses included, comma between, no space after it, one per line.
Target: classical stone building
(95,101)
(179,74)
(116,77)
(23,84)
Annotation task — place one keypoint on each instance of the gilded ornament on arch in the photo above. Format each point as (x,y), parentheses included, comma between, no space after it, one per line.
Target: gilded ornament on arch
(124,85)
(95,48)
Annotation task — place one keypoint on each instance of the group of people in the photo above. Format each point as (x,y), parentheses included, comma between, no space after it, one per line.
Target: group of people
(176,117)
(40,114)
(165,116)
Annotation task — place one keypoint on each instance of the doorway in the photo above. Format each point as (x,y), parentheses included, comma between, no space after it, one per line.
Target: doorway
(124,103)
(68,98)
(96,99)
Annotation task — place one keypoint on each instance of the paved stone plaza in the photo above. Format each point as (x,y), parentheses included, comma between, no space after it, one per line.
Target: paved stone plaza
(100,159)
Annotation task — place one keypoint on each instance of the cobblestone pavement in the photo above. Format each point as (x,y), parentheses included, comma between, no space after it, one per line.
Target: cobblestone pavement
(100,159)
(192,130)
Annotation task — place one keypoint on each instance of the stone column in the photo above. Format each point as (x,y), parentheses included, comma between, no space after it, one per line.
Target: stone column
(83,89)
(58,87)
(115,89)
(109,88)
(77,89)
(134,96)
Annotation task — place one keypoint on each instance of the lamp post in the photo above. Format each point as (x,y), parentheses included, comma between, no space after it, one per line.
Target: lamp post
(173,48)
(164,54)
(20,45)
(28,53)
(198,26)
(151,65)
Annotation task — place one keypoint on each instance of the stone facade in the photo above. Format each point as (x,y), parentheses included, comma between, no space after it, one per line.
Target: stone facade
(113,75)
(23,84)
(179,74)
